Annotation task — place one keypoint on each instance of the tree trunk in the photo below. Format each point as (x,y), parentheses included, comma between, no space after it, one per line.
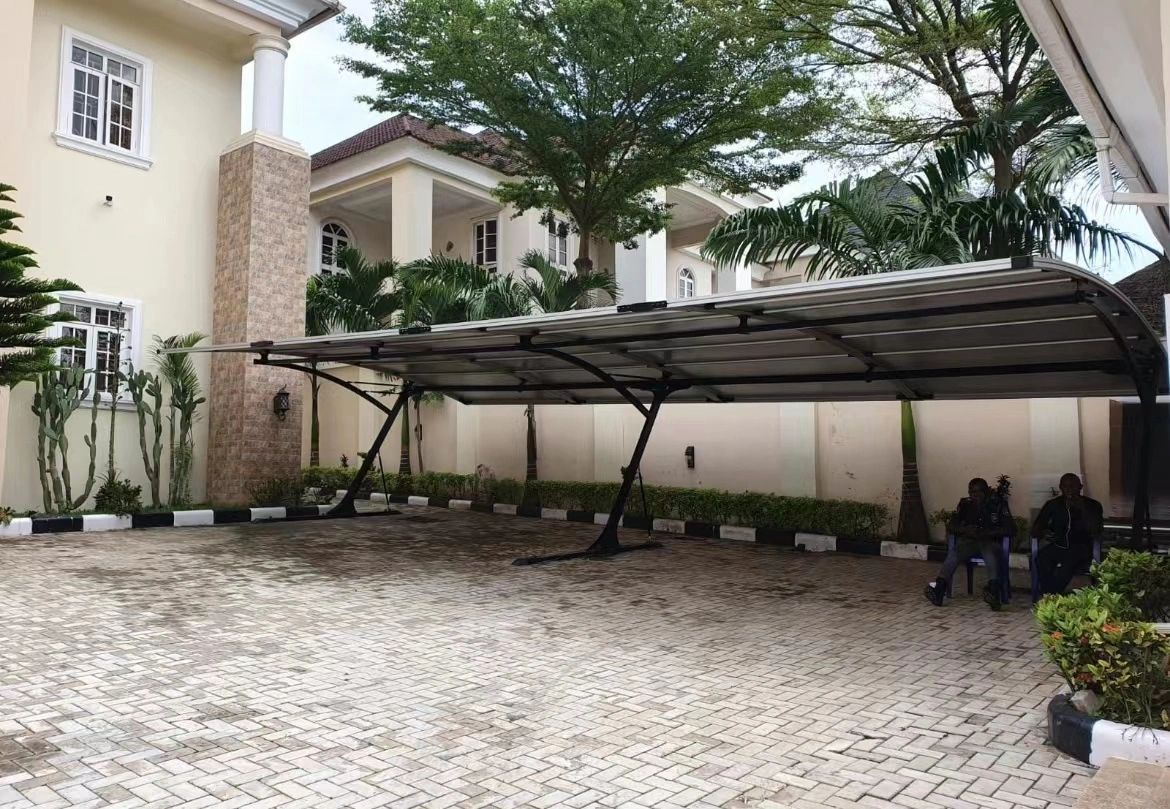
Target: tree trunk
(583,263)
(314,424)
(531,496)
(404,455)
(530,418)
(418,433)
(912,525)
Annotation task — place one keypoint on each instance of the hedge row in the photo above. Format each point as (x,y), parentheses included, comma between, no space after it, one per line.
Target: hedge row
(836,517)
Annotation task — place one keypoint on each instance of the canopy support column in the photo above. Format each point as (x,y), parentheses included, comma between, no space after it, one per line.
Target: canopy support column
(345,507)
(608,544)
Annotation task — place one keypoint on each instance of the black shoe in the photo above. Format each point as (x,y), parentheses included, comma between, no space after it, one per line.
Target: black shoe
(991,596)
(936,592)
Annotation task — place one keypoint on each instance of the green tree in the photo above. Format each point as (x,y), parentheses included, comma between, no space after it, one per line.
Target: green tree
(25,351)
(359,296)
(920,71)
(594,104)
(882,224)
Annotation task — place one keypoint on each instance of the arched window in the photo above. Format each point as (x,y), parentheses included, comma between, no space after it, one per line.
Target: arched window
(686,283)
(334,238)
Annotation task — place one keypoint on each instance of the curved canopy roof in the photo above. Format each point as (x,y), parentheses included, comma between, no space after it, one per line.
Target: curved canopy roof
(992,330)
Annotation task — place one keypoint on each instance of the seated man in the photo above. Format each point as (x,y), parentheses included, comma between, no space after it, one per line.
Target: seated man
(1070,523)
(980,523)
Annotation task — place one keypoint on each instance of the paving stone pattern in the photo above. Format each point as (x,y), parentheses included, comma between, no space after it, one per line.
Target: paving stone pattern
(401,661)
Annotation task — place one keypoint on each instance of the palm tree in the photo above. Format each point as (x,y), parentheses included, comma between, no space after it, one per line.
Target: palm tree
(554,290)
(359,296)
(439,289)
(943,215)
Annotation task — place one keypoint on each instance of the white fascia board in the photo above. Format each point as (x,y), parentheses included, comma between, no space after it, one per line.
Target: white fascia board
(1050,30)
(376,165)
(293,16)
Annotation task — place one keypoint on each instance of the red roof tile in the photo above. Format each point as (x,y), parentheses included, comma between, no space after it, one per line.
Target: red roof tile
(407,126)
(1147,288)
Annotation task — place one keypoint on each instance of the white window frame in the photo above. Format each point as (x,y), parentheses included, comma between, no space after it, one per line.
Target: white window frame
(131,348)
(322,268)
(558,245)
(492,266)
(686,279)
(139,155)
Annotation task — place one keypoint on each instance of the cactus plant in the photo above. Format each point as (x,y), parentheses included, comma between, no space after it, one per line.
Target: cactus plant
(144,385)
(58,395)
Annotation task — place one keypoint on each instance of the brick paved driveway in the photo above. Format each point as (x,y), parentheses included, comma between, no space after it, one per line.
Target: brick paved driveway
(400,661)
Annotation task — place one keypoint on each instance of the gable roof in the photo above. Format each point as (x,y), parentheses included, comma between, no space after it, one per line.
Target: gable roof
(408,126)
(1147,289)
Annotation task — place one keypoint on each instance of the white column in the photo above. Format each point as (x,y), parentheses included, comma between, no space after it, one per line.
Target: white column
(268,55)
(1056,446)
(733,279)
(641,272)
(798,448)
(411,199)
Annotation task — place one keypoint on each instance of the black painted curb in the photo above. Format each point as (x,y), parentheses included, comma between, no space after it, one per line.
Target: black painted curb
(1069,730)
(76,524)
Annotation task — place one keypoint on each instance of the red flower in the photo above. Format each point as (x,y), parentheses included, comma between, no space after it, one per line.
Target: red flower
(1057,635)
(1111,628)
(1084,677)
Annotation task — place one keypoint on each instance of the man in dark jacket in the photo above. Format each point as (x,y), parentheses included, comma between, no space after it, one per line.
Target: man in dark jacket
(980,522)
(1070,523)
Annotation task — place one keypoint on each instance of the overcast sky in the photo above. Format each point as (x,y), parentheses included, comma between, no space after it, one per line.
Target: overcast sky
(321,109)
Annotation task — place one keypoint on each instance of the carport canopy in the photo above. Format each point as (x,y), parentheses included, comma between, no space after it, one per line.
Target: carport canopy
(1019,328)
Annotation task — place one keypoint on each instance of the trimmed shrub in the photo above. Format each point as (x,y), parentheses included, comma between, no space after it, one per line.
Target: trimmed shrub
(284,491)
(118,496)
(1094,639)
(1142,579)
(837,517)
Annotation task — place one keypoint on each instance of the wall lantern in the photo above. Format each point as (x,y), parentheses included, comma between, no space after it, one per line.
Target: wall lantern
(281,403)
(689,452)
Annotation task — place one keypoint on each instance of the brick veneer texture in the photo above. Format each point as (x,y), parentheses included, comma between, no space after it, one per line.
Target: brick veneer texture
(259,295)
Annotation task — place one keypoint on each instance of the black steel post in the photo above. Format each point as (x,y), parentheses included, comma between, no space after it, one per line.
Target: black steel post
(345,507)
(1139,536)
(608,544)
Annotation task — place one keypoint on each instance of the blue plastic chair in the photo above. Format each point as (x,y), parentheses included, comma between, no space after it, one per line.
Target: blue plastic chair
(1005,562)
(1035,571)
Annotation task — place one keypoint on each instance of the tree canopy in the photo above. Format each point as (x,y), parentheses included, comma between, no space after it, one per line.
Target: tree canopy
(593,104)
(921,71)
(25,351)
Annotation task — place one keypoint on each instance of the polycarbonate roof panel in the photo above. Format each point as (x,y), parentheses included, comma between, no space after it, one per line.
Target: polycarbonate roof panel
(1002,329)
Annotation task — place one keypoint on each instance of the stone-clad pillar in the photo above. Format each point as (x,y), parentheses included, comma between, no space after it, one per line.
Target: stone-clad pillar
(259,295)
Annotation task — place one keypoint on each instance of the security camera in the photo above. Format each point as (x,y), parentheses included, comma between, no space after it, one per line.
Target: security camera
(109,199)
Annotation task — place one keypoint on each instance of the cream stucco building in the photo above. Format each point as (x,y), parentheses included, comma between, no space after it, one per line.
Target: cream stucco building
(122,133)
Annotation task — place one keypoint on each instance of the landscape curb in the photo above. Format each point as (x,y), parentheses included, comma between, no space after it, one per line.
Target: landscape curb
(1093,741)
(692,529)
(95,523)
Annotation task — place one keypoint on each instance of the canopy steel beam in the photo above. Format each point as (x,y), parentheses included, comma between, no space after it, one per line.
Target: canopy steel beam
(608,543)
(838,342)
(622,388)
(1105,366)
